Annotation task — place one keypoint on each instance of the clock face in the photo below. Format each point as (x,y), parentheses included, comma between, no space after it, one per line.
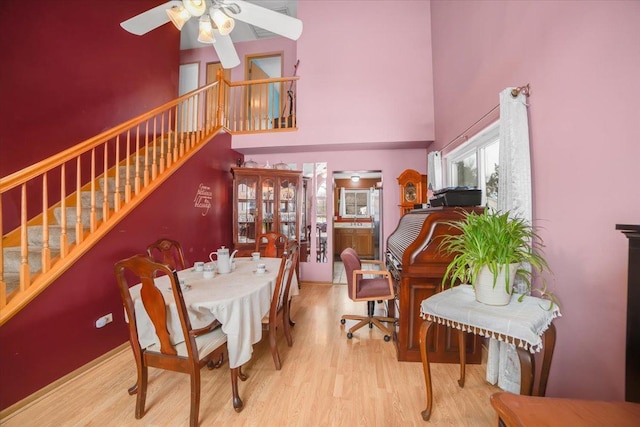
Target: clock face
(410,194)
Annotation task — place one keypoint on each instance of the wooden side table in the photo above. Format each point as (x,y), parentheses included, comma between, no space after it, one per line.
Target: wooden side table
(516,411)
(527,325)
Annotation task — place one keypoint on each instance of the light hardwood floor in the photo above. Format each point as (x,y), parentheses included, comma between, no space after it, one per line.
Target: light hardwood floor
(326,380)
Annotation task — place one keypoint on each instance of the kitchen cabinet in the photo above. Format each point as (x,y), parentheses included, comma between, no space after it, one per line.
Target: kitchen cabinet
(358,238)
(265,200)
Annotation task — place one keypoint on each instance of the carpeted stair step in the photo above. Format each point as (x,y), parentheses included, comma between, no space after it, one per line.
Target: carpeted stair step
(35,236)
(85,197)
(13,260)
(71,215)
(12,281)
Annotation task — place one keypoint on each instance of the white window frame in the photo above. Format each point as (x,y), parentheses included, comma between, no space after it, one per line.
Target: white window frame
(355,192)
(476,144)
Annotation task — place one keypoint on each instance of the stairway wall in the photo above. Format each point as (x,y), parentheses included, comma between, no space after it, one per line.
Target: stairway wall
(56,333)
(70,72)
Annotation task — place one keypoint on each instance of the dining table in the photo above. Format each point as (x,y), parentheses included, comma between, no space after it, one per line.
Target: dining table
(238,300)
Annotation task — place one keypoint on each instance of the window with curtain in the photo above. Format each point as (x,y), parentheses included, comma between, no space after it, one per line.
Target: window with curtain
(475,164)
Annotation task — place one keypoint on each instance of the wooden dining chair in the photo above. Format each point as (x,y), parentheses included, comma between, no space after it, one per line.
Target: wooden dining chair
(271,244)
(168,251)
(199,347)
(279,310)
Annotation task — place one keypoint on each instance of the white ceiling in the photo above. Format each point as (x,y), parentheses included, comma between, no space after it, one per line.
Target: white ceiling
(242,31)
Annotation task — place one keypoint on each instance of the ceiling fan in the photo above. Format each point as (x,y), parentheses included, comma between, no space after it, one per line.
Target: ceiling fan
(216,21)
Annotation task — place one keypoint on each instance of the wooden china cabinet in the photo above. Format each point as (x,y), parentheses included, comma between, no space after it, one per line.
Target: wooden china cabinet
(265,200)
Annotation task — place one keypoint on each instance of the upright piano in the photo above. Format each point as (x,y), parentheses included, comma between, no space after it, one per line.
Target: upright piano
(417,266)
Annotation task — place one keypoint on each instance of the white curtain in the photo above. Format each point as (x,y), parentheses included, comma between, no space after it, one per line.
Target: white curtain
(434,170)
(514,195)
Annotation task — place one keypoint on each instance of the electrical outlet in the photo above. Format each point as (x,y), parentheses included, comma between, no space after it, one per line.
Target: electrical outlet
(104,320)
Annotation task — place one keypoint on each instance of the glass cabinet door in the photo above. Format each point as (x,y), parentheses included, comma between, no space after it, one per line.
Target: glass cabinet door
(287,209)
(246,199)
(268,200)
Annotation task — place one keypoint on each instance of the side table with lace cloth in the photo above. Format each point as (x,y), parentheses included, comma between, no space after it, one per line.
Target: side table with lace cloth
(527,325)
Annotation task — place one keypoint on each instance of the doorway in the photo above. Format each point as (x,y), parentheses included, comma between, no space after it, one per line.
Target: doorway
(264,100)
(358,214)
(188,79)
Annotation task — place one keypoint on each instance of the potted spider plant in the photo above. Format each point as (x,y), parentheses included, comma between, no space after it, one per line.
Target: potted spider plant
(491,249)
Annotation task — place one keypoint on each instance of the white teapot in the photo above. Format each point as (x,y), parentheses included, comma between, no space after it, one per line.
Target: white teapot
(225,261)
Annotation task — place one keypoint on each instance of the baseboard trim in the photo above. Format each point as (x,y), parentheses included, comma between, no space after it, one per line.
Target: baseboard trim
(16,407)
(309,282)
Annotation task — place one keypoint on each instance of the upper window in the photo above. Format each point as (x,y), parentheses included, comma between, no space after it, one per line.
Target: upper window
(354,203)
(475,164)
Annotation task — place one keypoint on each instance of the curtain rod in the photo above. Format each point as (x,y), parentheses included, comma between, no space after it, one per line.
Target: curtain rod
(525,90)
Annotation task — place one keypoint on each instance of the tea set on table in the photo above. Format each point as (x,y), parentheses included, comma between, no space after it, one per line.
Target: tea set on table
(224,263)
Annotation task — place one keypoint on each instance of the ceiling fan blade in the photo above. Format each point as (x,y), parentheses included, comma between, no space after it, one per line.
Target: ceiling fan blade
(278,23)
(225,50)
(149,20)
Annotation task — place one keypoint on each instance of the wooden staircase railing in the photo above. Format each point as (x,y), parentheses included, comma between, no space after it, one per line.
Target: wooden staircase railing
(84,191)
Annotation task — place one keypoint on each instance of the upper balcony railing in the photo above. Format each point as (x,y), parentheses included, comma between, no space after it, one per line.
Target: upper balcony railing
(260,105)
(55,210)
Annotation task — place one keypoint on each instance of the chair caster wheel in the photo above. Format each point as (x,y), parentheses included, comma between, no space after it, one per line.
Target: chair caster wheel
(387,338)
(370,325)
(343,321)
(349,335)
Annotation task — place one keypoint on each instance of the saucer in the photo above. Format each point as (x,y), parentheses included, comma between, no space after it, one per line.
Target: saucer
(184,288)
(263,272)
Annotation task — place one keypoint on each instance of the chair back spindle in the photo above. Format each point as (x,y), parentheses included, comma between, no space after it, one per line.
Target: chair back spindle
(168,251)
(271,245)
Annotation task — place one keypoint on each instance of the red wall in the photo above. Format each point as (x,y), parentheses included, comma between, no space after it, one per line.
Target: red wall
(69,72)
(64,80)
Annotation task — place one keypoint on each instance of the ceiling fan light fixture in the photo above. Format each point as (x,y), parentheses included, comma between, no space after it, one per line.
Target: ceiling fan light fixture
(224,23)
(205,30)
(195,7)
(178,16)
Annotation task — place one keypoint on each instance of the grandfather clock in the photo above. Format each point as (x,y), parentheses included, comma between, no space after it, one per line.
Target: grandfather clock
(413,189)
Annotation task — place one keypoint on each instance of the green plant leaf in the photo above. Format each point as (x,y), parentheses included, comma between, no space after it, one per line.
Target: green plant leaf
(494,239)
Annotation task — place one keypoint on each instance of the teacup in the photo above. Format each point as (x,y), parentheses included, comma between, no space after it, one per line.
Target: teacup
(209,271)
(255,256)
(261,268)
(198,265)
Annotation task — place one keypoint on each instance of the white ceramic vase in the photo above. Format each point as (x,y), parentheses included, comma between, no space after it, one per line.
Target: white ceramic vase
(486,293)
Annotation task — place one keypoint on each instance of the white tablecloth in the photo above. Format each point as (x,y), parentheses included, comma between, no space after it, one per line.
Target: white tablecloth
(238,300)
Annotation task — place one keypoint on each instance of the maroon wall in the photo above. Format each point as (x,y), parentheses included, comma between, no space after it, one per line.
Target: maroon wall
(64,79)
(69,72)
